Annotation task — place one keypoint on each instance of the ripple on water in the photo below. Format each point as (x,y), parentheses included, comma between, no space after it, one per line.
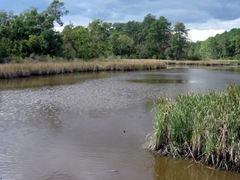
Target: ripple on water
(75,131)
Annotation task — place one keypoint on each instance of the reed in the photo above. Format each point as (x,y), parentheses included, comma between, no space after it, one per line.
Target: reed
(203,127)
(51,68)
(204,63)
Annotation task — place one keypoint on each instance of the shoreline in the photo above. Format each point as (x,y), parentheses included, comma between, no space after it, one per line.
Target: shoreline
(204,63)
(8,71)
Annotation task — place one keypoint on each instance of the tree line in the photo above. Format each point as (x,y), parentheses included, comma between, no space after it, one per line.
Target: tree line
(152,38)
(31,35)
(221,46)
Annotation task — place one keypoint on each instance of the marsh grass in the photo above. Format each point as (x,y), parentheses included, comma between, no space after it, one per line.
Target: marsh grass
(51,68)
(203,127)
(25,69)
(204,63)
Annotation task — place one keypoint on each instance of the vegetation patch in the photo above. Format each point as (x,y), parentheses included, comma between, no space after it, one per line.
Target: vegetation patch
(52,68)
(205,127)
(157,81)
(30,36)
(204,63)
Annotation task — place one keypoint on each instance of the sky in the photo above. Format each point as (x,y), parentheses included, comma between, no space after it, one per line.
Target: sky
(204,18)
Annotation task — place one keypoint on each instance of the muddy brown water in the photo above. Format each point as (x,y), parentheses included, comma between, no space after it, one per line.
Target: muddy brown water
(93,126)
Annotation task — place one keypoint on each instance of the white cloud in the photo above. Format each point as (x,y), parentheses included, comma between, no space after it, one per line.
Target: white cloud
(76,20)
(58,28)
(201,35)
(215,24)
(201,31)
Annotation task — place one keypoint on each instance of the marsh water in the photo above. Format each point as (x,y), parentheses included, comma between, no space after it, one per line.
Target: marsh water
(93,126)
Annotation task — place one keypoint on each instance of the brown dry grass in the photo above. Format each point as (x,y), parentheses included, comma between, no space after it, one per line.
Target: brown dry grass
(51,68)
(204,62)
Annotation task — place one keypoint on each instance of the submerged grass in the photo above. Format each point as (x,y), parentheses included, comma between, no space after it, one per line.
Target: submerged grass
(203,127)
(50,68)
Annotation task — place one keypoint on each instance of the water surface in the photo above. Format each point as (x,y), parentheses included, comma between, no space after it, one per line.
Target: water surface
(93,126)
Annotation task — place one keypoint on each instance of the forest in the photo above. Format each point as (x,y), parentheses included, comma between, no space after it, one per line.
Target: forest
(30,36)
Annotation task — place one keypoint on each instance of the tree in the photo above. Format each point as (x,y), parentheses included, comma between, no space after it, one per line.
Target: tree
(99,32)
(54,13)
(145,25)
(132,30)
(179,42)
(6,20)
(209,49)
(236,45)
(6,44)
(221,46)
(129,31)
(5,49)
(69,49)
(31,32)
(158,38)
(76,42)
(194,50)
(121,44)
(52,43)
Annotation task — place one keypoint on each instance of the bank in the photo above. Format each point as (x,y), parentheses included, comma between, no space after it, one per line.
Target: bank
(204,63)
(51,68)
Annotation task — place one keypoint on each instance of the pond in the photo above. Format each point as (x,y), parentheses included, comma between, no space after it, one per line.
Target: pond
(93,126)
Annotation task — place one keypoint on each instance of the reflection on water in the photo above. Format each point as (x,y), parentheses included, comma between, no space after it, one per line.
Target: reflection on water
(166,168)
(92,126)
(152,81)
(40,81)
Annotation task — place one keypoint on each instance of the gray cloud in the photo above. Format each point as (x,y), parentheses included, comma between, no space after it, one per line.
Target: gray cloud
(196,14)
(185,10)
(119,10)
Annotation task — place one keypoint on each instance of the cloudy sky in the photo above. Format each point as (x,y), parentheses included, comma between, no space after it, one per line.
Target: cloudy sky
(204,18)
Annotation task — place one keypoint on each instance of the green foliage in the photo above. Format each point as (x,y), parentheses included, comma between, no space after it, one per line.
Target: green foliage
(99,33)
(5,45)
(158,37)
(76,42)
(222,46)
(193,52)
(145,25)
(121,44)
(31,32)
(179,42)
(54,12)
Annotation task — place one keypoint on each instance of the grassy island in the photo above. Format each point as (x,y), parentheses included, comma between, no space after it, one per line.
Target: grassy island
(14,70)
(51,68)
(204,127)
(203,63)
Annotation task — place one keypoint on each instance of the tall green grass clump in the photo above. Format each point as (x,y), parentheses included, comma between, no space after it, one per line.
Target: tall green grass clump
(204,127)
